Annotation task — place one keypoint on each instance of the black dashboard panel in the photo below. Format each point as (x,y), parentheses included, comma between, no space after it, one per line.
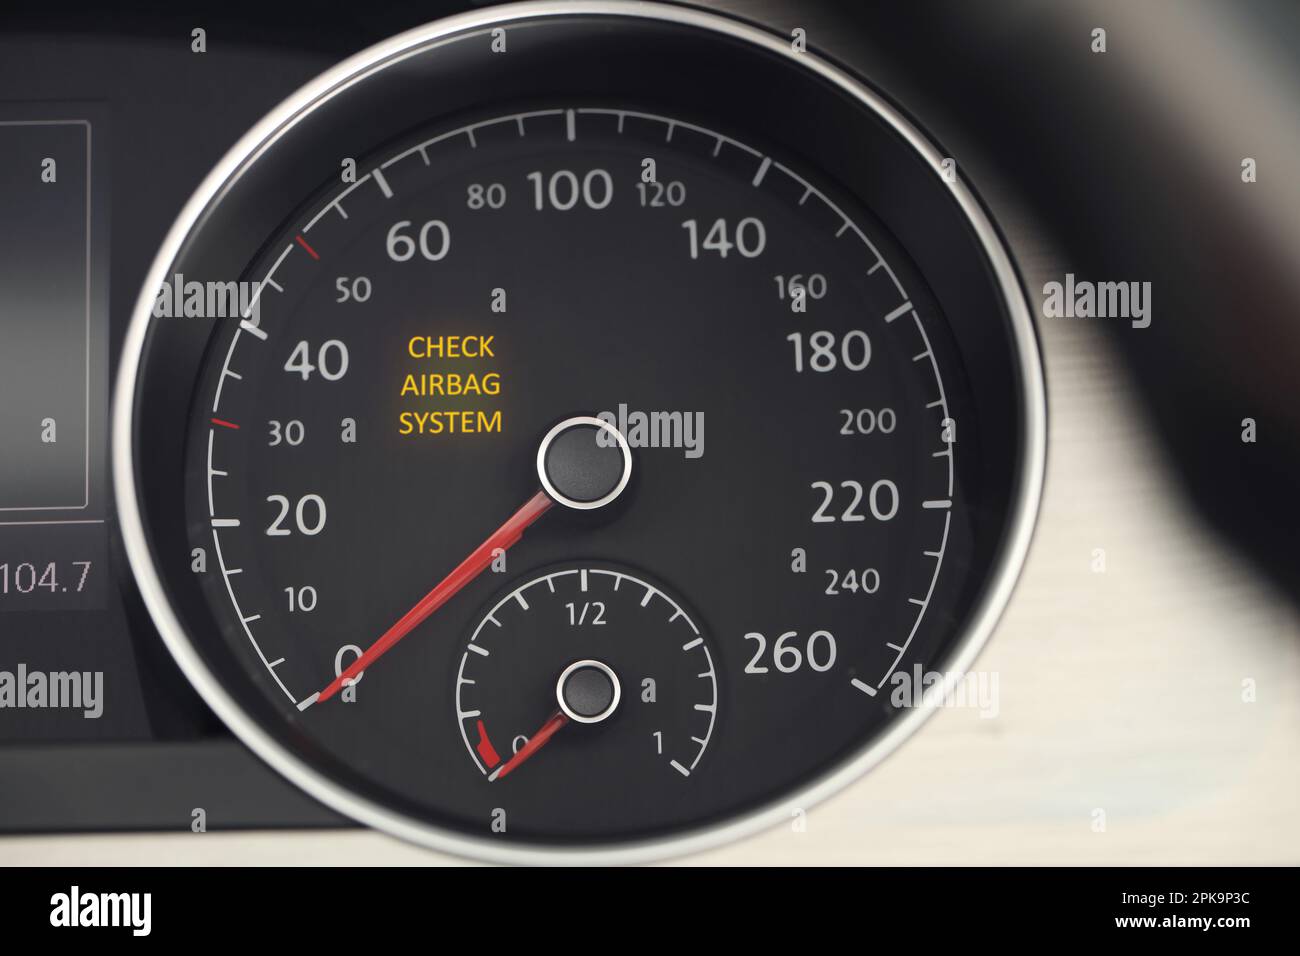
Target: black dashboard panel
(71,609)
(140,147)
(123,106)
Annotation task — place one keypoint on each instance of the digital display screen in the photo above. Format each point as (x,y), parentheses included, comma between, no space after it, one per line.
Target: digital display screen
(67,667)
(53,370)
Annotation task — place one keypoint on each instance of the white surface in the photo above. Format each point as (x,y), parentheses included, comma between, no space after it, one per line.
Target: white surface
(1120,691)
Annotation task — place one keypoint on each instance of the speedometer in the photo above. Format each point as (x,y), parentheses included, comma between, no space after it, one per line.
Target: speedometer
(566,433)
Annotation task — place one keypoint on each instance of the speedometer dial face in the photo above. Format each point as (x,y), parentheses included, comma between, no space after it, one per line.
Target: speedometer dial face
(580,472)
(793,478)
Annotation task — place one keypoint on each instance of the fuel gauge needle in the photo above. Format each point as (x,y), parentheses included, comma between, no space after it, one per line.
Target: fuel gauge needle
(535,743)
(587,692)
(475,564)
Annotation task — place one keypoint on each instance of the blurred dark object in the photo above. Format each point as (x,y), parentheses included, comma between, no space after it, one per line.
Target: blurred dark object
(1132,159)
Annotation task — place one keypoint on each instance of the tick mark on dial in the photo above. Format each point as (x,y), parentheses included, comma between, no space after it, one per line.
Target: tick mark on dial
(310,251)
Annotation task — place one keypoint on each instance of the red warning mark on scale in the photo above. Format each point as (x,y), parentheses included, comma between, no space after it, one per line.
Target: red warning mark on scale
(225,424)
(485,748)
(310,251)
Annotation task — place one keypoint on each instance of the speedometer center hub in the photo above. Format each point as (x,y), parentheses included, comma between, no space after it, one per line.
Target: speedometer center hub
(584,463)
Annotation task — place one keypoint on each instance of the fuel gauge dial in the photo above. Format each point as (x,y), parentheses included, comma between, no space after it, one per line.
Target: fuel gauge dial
(595,663)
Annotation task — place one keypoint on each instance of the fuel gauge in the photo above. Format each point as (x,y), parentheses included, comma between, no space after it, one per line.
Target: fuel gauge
(595,663)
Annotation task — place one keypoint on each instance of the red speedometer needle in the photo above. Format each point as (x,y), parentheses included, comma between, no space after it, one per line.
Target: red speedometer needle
(535,743)
(576,468)
(465,572)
